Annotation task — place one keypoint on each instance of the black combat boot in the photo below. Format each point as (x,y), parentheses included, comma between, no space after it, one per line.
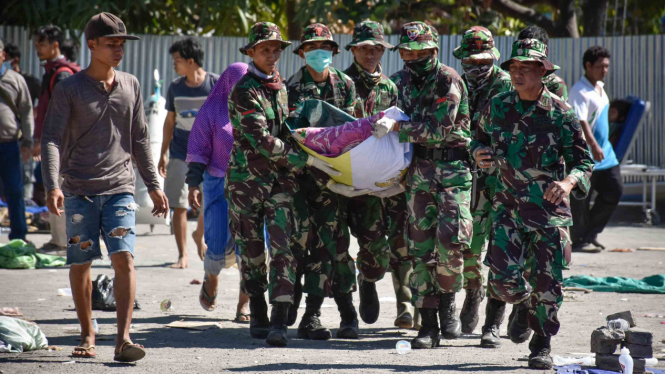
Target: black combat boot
(519,330)
(297,297)
(451,327)
(278,317)
(348,327)
(494,312)
(369,301)
(469,314)
(428,335)
(540,353)
(310,326)
(259,326)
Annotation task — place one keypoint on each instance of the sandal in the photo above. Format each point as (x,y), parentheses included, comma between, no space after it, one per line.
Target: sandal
(204,295)
(132,352)
(84,349)
(243,318)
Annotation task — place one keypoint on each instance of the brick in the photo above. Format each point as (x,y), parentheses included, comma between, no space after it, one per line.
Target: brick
(605,341)
(627,315)
(637,336)
(611,363)
(638,350)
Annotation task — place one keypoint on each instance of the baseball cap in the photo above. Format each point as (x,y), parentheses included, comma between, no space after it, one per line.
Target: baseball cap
(106,25)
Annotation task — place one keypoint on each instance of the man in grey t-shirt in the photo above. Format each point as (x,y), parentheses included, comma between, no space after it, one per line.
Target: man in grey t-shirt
(184,98)
(94,127)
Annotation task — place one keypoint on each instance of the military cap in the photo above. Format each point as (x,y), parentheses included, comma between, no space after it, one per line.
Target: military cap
(477,44)
(264,32)
(368,33)
(530,50)
(317,32)
(416,36)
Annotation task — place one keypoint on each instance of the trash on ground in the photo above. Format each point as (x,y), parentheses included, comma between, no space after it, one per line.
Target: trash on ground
(69,362)
(166,306)
(653,315)
(580,289)
(67,292)
(103,297)
(18,254)
(587,360)
(10,312)
(654,284)
(20,335)
(54,348)
(625,315)
(622,250)
(403,347)
(201,326)
(651,249)
(195,281)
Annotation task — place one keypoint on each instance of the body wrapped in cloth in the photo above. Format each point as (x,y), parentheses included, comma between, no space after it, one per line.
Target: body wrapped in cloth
(366,162)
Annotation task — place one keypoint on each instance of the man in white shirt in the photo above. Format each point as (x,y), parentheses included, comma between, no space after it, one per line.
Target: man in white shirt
(591,104)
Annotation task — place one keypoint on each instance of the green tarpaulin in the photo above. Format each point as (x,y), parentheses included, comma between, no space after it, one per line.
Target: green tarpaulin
(651,284)
(18,254)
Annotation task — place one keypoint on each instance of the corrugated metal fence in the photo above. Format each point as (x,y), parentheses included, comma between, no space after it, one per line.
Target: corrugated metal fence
(638,64)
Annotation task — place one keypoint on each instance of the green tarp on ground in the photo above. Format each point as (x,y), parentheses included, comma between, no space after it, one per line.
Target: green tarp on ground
(18,254)
(652,284)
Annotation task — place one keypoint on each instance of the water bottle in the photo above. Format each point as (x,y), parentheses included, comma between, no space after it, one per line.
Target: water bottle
(95,326)
(403,347)
(626,361)
(618,324)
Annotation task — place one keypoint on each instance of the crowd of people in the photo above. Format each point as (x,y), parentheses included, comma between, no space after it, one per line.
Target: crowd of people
(504,162)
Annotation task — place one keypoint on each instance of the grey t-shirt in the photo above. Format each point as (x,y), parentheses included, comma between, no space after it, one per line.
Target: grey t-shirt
(14,87)
(90,136)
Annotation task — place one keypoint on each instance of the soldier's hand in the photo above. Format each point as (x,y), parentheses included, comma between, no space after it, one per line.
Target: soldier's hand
(392,191)
(383,126)
(323,166)
(194,197)
(160,203)
(483,158)
(54,201)
(161,167)
(557,191)
(597,152)
(345,190)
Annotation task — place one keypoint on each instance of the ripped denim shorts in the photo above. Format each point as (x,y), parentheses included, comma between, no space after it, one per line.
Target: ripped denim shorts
(113,217)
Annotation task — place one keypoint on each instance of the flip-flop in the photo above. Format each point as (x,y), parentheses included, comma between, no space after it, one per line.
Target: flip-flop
(243,318)
(83,349)
(132,353)
(203,294)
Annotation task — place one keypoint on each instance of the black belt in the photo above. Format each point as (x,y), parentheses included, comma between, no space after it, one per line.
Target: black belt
(441,154)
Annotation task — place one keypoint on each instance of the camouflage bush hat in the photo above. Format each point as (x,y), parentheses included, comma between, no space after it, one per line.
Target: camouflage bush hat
(368,33)
(416,36)
(530,50)
(477,44)
(317,32)
(264,32)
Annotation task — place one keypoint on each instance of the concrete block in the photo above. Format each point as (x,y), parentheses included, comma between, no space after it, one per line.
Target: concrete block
(638,350)
(611,363)
(605,341)
(627,315)
(637,336)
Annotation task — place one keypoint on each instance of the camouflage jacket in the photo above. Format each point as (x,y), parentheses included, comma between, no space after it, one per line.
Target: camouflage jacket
(262,152)
(534,146)
(477,100)
(439,110)
(375,96)
(339,90)
(556,85)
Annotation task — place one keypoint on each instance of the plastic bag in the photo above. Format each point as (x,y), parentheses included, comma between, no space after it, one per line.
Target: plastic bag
(19,335)
(18,254)
(102,294)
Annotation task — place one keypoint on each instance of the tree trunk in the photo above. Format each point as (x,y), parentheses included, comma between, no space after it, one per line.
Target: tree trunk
(594,17)
(294,27)
(566,26)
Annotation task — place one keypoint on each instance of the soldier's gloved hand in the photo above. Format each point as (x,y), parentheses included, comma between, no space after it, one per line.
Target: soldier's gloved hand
(392,191)
(323,166)
(345,190)
(383,126)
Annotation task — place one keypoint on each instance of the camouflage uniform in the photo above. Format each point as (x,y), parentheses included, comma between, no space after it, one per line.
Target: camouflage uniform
(556,85)
(478,43)
(535,146)
(261,179)
(329,269)
(372,218)
(437,191)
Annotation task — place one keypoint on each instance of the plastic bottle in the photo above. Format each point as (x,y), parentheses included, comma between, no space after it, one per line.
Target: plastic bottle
(95,326)
(403,347)
(4,231)
(626,361)
(166,306)
(618,324)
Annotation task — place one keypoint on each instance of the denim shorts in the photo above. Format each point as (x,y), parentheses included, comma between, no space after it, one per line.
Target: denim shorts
(112,217)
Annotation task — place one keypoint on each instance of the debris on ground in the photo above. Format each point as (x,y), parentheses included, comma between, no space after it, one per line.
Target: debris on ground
(19,335)
(10,312)
(200,326)
(195,281)
(622,250)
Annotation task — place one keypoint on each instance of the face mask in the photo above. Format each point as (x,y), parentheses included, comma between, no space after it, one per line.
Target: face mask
(7,65)
(476,71)
(318,59)
(421,66)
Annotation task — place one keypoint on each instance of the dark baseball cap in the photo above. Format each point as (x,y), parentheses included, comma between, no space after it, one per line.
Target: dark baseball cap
(106,25)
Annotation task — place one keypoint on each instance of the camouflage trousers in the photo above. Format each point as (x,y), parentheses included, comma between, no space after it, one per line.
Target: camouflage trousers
(379,226)
(482,225)
(439,228)
(526,266)
(329,269)
(247,221)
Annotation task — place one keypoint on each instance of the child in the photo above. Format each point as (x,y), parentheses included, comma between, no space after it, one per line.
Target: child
(617,116)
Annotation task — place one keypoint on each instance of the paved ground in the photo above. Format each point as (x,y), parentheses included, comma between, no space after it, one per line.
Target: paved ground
(230,349)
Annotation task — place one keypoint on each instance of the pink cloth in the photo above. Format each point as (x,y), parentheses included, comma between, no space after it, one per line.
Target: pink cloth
(334,141)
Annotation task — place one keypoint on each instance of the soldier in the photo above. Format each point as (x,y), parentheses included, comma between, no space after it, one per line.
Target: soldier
(261,182)
(330,270)
(372,218)
(553,82)
(438,182)
(484,80)
(534,140)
